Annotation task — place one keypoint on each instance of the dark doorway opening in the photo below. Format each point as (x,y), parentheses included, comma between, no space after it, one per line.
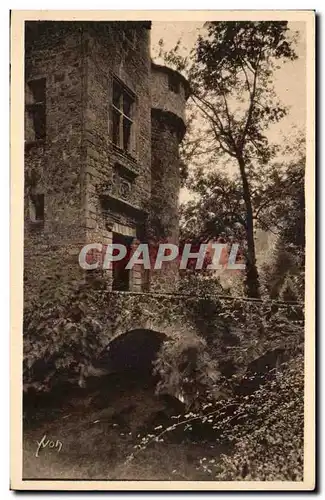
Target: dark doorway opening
(121,275)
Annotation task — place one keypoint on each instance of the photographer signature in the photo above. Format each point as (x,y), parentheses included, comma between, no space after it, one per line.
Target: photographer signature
(43,443)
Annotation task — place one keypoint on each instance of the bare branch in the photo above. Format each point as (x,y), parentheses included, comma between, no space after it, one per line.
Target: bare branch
(217,127)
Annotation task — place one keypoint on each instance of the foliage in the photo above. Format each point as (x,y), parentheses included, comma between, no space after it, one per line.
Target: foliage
(237,333)
(231,75)
(66,330)
(258,408)
(283,275)
(217,213)
(185,367)
(270,446)
(67,327)
(62,335)
(264,427)
(200,283)
(216,210)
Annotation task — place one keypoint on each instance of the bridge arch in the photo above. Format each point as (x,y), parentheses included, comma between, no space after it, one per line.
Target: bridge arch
(134,350)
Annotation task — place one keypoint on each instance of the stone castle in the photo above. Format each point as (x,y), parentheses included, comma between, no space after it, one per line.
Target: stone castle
(103,125)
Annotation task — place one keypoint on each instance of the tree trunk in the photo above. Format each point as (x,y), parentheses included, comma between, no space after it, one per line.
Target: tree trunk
(252,281)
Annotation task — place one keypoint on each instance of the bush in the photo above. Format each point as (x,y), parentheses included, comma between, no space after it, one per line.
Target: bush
(269,447)
(264,430)
(62,335)
(184,367)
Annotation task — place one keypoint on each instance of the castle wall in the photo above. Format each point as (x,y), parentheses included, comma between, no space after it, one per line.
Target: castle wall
(94,187)
(53,165)
(168,128)
(165,185)
(123,178)
(91,187)
(162,95)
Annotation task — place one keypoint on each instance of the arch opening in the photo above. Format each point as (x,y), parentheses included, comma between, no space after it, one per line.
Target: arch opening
(127,394)
(133,351)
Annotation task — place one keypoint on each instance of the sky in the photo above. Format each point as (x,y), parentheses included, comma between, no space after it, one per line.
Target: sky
(290,79)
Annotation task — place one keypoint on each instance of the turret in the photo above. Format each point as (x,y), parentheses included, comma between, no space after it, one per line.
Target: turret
(169,91)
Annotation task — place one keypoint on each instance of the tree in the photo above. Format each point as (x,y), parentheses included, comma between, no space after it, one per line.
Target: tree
(217,210)
(230,73)
(284,274)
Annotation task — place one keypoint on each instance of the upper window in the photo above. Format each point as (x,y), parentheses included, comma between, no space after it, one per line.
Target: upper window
(35,124)
(173,83)
(123,103)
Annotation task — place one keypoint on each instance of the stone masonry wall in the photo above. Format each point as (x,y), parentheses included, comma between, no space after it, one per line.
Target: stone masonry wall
(168,128)
(165,186)
(53,166)
(74,164)
(77,166)
(164,98)
(110,55)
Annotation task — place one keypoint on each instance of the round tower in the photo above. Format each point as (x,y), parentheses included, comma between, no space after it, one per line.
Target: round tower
(169,91)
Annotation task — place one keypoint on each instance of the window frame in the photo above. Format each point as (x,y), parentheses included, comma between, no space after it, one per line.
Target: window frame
(32,108)
(130,118)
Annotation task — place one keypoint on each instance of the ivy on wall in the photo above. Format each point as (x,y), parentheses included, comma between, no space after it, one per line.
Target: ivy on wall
(68,329)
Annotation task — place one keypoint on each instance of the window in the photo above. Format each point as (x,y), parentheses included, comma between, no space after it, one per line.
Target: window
(123,103)
(35,127)
(37,207)
(173,83)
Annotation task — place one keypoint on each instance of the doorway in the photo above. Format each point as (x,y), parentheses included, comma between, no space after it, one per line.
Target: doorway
(121,275)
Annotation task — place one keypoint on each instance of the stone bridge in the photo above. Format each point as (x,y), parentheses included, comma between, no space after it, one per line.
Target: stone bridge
(234,330)
(94,331)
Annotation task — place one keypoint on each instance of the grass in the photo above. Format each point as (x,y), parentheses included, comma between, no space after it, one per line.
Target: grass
(99,428)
